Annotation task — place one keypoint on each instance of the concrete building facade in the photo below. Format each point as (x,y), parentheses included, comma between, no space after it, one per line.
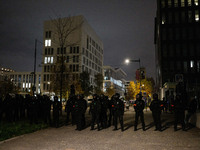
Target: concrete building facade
(114,78)
(81,51)
(177,36)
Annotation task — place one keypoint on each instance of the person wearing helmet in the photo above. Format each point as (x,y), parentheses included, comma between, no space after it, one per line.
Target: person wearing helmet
(56,109)
(156,107)
(139,107)
(179,112)
(118,111)
(104,107)
(95,109)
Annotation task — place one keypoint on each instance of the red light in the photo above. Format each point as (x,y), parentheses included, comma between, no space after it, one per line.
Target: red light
(172,105)
(113,105)
(135,105)
(161,105)
(73,105)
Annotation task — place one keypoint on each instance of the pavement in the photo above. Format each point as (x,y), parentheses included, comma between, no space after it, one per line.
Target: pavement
(67,138)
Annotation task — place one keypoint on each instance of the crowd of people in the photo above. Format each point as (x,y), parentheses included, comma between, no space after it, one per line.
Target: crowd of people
(104,112)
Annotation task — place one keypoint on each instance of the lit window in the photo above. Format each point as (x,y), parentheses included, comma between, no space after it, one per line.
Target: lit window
(29,85)
(189,2)
(23,85)
(47,43)
(26,85)
(51,59)
(197,16)
(169,3)
(196,2)
(191,63)
(182,3)
(45,60)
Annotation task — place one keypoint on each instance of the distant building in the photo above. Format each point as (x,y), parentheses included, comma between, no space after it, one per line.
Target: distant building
(25,81)
(177,36)
(85,55)
(114,78)
(3,71)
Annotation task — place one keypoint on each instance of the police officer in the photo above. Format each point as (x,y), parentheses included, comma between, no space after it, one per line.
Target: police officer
(156,107)
(80,106)
(118,111)
(56,109)
(69,108)
(104,107)
(95,110)
(179,112)
(139,107)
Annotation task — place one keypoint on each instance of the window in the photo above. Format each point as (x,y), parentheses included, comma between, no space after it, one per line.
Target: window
(67,59)
(74,50)
(77,58)
(163,18)
(189,16)
(51,59)
(45,77)
(182,3)
(197,16)
(169,3)
(74,58)
(196,2)
(64,50)
(45,51)
(74,68)
(45,60)
(52,51)
(58,50)
(71,49)
(77,68)
(198,66)
(48,59)
(47,43)
(175,3)
(70,68)
(77,49)
(189,2)
(163,3)
(192,64)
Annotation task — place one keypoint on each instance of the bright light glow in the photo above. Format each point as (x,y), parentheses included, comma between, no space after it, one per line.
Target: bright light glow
(191,63)
(45,60)
(47,43)
(127,61)
(49,60)
(26,85)
(52,60)
(23,85)
(197,16)
(29,85)
(48,82)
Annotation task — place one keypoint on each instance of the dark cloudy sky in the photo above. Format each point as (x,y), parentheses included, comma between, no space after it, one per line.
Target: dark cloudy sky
(126,28)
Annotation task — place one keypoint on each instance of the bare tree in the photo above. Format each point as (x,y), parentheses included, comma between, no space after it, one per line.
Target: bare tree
(64,30)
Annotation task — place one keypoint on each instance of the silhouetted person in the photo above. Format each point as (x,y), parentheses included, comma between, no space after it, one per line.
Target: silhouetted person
(56,109)
(69,109)
(118,111)
(95,110)
(104,107)
(179,112)
(191,108)
(110,111)
(139,107)
(156,107)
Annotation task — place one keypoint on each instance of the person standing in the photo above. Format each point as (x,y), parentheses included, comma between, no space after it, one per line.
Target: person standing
(56,109)
(156,107)
(179,112)
(95,110)
(118,111)
(139,107)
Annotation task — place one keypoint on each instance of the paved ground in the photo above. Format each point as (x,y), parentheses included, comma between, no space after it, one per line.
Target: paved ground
(67,138)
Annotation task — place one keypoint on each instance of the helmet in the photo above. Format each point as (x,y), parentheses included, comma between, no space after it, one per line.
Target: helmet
(138,96)
(155,96)
(117,95)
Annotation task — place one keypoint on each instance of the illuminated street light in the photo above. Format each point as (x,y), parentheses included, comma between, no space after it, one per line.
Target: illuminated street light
(127,61)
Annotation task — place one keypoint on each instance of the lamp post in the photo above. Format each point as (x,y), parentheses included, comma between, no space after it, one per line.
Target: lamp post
(127,61)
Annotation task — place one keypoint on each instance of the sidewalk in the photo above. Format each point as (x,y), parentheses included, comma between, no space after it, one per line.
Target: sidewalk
(67,138)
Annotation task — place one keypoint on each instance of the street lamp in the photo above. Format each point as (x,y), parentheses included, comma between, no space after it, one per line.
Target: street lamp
(127,61)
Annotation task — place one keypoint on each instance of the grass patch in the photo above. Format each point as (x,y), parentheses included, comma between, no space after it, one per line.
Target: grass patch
(9,130)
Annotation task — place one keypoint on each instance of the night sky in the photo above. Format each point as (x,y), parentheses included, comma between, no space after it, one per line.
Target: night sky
(126,28)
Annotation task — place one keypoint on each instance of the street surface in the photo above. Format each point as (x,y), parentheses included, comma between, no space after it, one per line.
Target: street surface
(67,138)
